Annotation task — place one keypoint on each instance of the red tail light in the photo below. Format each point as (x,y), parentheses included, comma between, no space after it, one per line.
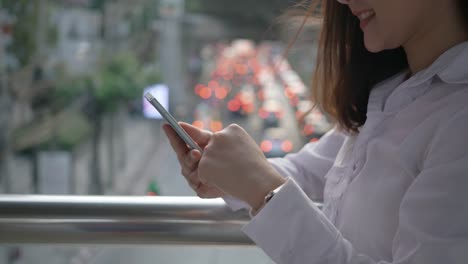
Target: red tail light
(308,129)
(266,146)
(216,126)
(221,92)
(234,105)
(279,114)
(263,114)
(205,93)
(198,88)
(199,124)
(248,108)
(289,93)
(287,146)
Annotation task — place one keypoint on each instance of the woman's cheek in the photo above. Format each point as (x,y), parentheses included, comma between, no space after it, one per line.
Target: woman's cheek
(373,37)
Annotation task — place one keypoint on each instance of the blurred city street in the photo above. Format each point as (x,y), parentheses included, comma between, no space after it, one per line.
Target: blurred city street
(74,119)
(150,159)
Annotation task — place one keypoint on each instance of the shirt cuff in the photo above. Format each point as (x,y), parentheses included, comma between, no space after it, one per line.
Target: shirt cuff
(235,204)
(291,228)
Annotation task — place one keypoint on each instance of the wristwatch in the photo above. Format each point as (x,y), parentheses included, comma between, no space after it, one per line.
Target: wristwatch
(271,194)
(267,198)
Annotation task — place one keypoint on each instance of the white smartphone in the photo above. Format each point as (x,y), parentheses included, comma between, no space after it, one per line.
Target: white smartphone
(171,120)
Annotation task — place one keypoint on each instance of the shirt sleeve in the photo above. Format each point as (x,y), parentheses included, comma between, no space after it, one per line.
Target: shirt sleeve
(307,167)
(433,216)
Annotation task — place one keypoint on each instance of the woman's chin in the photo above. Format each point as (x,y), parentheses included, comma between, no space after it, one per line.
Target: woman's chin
(373,46)
(373,42)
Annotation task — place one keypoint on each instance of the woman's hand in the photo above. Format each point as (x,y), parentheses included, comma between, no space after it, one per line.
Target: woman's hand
(234,163)
(189,159)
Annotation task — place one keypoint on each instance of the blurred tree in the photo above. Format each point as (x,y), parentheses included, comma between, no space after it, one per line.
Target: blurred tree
(23,44)
(23,47)
(63,131)
(97,4)
(120,78)
(117,82)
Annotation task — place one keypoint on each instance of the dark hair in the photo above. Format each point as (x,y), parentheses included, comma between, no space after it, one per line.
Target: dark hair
(346,72)
(463,6)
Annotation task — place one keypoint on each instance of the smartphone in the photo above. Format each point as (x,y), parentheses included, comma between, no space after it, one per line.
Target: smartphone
(171,120)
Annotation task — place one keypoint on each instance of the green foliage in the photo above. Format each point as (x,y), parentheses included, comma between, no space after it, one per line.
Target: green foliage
(25,13)
(69,89)
(119,80)
(52,35)
(62,131)
(148,15)
(194,6)
(72,131)
(97,4)
(116,81)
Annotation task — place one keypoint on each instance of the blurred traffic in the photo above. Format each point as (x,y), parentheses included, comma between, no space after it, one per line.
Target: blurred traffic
(255,86)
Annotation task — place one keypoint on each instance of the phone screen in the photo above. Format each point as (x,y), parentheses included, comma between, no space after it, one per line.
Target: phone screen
(172,122)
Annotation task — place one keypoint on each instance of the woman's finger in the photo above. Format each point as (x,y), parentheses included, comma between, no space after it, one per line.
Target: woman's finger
(185,171)
(176,142)
(206,191)
(192,178)
(191,159)
(195,186)
(202,137)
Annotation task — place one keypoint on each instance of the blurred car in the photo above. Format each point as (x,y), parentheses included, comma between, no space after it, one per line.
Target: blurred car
(243,47)
(295,90)
(206,117)
(314,125)
(303,108)
(271,113)
(243,102)
(275,143)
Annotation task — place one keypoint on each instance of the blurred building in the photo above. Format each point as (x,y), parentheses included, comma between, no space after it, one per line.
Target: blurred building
(78,41)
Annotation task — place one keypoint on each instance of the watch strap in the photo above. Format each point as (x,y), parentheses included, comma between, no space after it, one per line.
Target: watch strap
(267,198)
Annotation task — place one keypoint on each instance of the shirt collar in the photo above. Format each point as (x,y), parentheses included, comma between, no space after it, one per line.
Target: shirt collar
(450,67)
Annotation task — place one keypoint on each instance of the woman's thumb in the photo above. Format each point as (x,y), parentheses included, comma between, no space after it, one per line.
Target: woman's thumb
(198,135)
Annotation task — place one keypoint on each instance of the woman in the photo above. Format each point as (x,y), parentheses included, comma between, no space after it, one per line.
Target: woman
(393,174)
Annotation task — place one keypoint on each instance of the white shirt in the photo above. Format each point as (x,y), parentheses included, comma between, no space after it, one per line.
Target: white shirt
(397,192)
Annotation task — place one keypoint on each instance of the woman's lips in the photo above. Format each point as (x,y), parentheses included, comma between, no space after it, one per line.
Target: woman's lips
(365,17)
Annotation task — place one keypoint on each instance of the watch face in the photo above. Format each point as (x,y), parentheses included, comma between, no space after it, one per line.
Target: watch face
(269,196)
(272,193)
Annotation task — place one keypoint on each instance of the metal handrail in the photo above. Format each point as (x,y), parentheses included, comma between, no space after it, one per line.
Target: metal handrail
(40,219)
(119,220)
